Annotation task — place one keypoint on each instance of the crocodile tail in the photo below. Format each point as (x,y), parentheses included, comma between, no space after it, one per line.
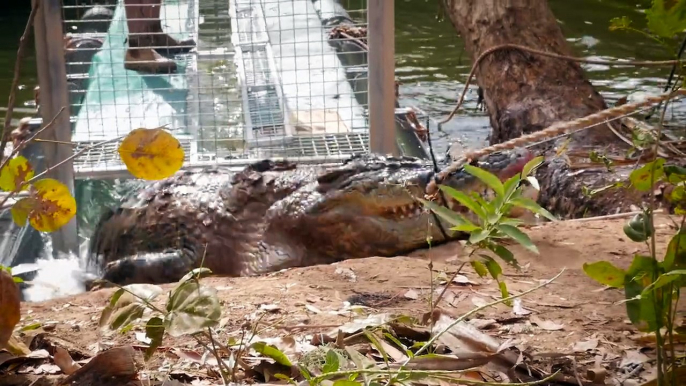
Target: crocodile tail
(98,239)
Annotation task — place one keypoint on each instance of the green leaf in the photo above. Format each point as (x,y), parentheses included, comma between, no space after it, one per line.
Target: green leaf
(606,273)
(675,257)
(332,362)
(519,236)
(126,315)
(137,294)
(511,184)
(494,268)
(619,23)
(479,267)
(667,18)
(479,236)
(675,174)
(664,279)
(503,253)
(272,352)
(196,273)
(531,166)
(531,205)
(448,215)
(641,307)
(503,290)
(345,382)
(464,200)
(487,178)
(154,330)
(30,327)
(640,178)
(192,308)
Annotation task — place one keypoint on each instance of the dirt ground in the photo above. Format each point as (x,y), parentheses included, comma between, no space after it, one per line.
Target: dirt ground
(573,316)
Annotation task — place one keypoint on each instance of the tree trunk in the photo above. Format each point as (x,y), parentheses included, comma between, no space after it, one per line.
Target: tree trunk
(525,92)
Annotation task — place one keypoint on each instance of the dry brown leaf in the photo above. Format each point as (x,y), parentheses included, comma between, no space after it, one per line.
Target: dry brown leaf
(65,361)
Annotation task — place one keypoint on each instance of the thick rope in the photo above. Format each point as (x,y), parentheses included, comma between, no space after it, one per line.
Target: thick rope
(557,129)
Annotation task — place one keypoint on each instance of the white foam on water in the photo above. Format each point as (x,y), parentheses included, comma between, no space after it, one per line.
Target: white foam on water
(56,277)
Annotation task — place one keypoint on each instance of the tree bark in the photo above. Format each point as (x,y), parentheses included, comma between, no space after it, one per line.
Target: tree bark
(525,92)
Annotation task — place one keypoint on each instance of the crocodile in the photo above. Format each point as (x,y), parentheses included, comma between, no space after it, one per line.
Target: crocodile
(274,215)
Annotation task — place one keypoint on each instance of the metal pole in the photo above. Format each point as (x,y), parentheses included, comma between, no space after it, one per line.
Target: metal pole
(381,38)
(52,79)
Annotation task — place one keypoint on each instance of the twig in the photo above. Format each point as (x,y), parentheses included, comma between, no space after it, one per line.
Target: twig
(23,42)
(550,55)
(23,144)
(51,168)
(611,216)
(427,373)
(477,309)
(445,289)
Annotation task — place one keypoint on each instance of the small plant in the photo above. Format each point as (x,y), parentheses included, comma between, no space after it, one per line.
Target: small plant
(652,286)
(494,225)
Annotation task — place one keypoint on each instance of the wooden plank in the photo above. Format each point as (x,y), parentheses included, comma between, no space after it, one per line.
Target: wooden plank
(54,96)
(381,57)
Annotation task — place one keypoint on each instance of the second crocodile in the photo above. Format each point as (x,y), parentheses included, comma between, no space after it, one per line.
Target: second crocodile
(276,215)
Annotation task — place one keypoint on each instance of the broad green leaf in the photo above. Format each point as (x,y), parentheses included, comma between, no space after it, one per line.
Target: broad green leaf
(511,184)
(641,308)
(479,236)
(675,257)
(606,273)
(131,294)
(531,166)
(126,315)
(464,200)
(192,308)
(487,178)
(154,330)
(640,178)
(519,236)
(675,174)
(448,215)
(468,228)
(664,279)
(331,363)
(531,205)
(196,273)
(667,18)
(479,267)
(272,352)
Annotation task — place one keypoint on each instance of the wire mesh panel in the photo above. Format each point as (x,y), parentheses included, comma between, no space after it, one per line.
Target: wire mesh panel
(233,80)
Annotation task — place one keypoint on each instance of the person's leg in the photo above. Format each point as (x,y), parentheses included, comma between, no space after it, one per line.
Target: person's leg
(145,32)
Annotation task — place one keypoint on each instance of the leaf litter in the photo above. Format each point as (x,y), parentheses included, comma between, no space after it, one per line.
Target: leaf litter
(496,345)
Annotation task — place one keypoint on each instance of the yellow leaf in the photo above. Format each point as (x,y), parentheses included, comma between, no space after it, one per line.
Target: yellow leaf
(9,307)
(151,154)
(21,210)
(48,208)
(15,174)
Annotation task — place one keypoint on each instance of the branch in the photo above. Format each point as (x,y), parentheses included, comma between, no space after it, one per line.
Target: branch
(51,168)
(23,42)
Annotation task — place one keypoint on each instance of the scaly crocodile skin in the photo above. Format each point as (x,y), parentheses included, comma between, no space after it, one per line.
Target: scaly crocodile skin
(275,215)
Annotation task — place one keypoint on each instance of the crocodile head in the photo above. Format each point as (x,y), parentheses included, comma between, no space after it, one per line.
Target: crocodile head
(370,205)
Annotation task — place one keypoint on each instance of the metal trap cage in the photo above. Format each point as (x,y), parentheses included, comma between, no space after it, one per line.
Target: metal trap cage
(262,79)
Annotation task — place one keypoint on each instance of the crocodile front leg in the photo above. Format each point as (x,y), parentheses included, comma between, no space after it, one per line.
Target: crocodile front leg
(152,268)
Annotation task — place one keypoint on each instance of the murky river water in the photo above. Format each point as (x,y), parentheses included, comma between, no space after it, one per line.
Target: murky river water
(431,62)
